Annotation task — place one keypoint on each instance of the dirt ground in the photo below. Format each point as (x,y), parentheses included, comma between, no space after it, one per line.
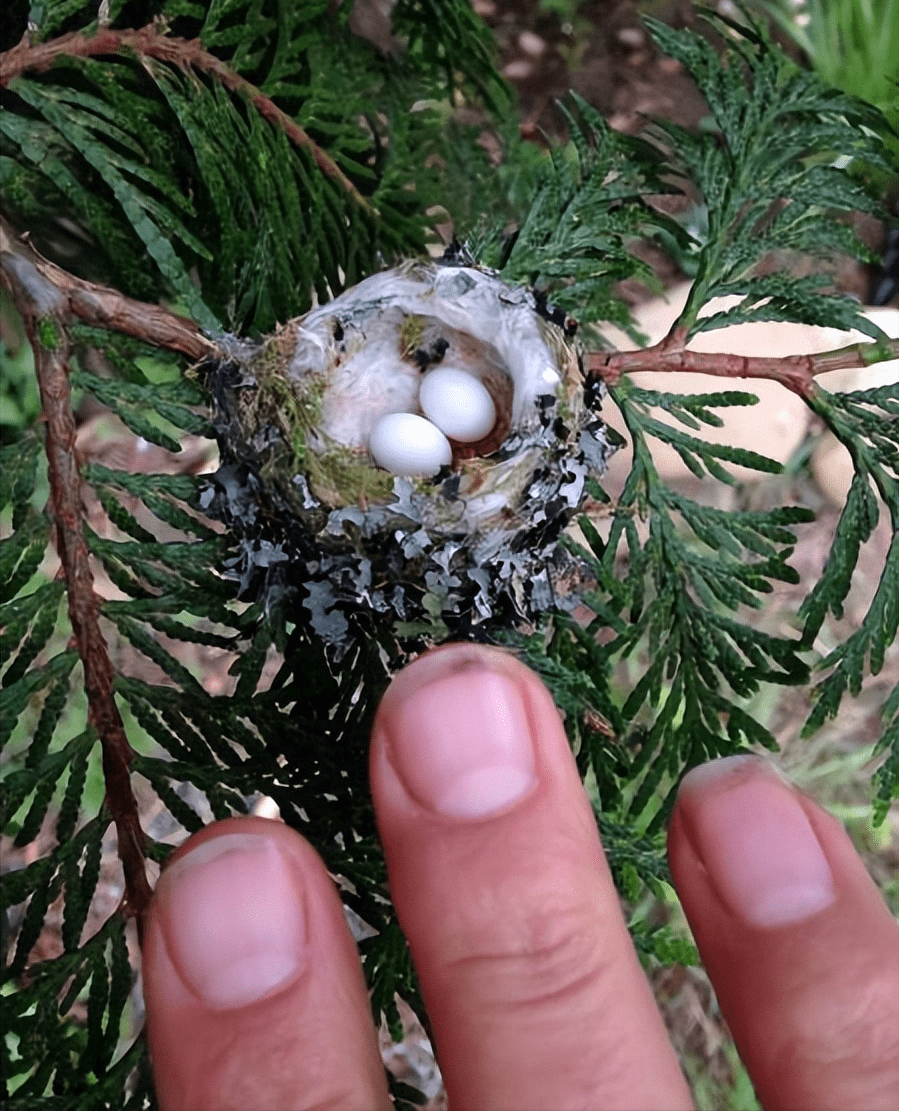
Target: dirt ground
(599,49)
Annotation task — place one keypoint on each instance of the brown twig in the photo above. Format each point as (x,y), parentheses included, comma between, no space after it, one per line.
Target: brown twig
(45,311)
(796,372)
(101,306)
(149,42)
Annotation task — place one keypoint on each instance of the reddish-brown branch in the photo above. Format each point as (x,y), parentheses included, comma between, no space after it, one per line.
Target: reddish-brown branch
(796,372)
(101,306)
(44,311)
(149,42)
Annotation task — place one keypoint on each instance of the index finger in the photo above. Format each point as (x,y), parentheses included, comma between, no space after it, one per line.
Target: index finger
(529,976)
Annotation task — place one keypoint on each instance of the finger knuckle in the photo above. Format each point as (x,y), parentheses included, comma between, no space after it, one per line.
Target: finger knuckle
(545,952)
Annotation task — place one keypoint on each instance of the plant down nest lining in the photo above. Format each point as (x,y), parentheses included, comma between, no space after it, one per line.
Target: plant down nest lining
(326,531)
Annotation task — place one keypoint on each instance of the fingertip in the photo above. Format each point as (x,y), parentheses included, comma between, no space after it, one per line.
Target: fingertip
(253,986)
(800,948)
(466,732)
(455,730)
(530,978)
(754,838)
(261,944)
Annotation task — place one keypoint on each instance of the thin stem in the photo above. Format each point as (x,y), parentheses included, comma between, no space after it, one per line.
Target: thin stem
(44,311)
(796,372)
(100,306)
(106,308)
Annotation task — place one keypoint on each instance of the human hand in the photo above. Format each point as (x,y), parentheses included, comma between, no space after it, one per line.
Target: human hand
(255,996)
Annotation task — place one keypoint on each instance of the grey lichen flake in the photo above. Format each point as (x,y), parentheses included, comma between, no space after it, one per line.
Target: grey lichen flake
(415,545)
(594,446)
(326,618)
(343,542)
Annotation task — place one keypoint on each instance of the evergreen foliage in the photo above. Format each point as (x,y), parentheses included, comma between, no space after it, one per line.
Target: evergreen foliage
(161,166)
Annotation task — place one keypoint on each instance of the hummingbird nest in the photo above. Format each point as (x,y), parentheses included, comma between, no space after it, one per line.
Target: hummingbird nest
(412,449)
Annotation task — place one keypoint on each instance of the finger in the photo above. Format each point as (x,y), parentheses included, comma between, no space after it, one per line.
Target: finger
(801,950)
(254,992)
(534,992)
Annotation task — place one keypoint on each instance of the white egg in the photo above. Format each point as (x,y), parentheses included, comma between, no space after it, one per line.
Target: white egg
(407,444)
(457,403)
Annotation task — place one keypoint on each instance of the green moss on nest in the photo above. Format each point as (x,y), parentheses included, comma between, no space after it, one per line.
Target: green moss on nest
(293,410)
(411,331)
(340,476)
(293,405)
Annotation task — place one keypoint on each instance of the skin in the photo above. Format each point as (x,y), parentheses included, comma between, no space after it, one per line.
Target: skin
(255,996)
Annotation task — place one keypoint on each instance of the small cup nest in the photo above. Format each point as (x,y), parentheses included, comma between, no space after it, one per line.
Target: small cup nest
(318,520)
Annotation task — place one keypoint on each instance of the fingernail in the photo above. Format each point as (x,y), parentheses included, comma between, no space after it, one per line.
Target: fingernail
(233,919)
(458,735)
(751,833)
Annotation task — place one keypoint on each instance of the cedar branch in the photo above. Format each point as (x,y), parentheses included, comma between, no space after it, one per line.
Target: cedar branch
(43,308)
(796,372)
(149,42)
(103,307)
(44,292)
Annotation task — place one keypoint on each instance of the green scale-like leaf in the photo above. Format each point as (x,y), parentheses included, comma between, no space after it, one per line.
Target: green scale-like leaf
(28,623)
(886,778)
(865,424)
(18,473)
(762,175)
(866,646)
(732,558)
(134,404)
(589,203)
(251,175)
(153,222)
(22,553)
